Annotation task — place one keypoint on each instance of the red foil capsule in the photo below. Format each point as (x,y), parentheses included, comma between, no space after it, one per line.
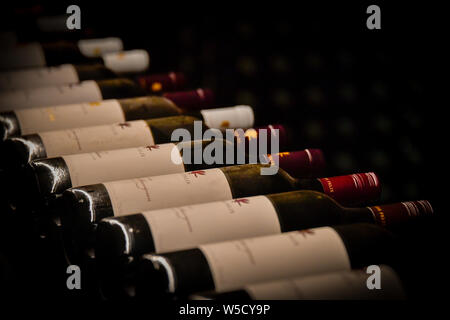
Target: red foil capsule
(345,189)
(193,99)
(307,163)
(158,83)
(399,213)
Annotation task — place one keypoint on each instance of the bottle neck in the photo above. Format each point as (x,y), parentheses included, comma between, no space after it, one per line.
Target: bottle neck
(93,71)
(191,101)
(148,107)
(300,164)
(195,158)
(305,209)
(119,88)
(357,215)
(204,154)
(352,190)
(315,208)
(159,83)
(308,184)
(235,152)
(162,128)
(272,138)
(396,214)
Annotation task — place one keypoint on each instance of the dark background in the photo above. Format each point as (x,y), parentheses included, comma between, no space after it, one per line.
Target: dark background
(363,96)
(359,94)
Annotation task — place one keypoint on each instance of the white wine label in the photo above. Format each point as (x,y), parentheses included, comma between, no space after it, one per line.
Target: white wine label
(97,138)
(189,226)
(232,117)
(150,193)
(127,61)
(234,264)
(30,55)
(97,47)
(50,96)
(111,165)
(344,285)
(38,77)
(69,116)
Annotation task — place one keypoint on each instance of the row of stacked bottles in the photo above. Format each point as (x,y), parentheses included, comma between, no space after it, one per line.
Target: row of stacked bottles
(94,176)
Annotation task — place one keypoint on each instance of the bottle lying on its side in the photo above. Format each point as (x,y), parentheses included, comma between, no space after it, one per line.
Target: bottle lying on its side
(21,150)
(110,66)
(85,206)
(231,265)
(43,179)
(340,285)
(35,54)
(69,116)
(85,91)
(186,227)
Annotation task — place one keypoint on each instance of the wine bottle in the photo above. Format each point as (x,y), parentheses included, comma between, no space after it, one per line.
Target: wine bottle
(230,265)
(339,285)
(85,91)
(186,227)
(90,90)
(33,120)
(50,144)
(86,205)
(54,175)
(59,173)
(132,61)
(32,55)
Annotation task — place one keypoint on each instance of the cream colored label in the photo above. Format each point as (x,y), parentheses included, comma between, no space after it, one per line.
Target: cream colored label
(38,77)
(150,193)
(97,47)
(97,138)
(344,285)
(69,116)
(127,61)
(103,166)
(50,96)
(231,117)
(189,226)
(237,263)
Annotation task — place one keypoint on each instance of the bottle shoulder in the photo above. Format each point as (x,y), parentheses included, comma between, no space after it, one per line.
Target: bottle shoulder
(148,107)
(239,176)
(95,71)
(369,244)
